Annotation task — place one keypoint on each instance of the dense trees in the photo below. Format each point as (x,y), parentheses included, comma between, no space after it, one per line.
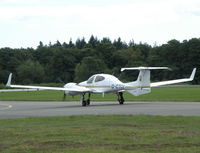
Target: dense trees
(89,66)
(77,61)
(30,72)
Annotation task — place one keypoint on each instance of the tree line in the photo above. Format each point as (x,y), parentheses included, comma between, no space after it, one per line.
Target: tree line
(76,61)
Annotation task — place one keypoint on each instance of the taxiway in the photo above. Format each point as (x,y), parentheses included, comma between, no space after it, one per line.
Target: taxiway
(20,109)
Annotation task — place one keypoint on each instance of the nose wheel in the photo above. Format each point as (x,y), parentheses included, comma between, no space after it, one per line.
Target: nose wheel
(120,98)
(85,102)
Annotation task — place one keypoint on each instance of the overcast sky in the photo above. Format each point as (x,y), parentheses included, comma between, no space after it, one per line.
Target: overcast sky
(23,23)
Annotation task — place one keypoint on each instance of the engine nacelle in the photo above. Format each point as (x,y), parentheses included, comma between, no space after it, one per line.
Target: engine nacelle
(72,85)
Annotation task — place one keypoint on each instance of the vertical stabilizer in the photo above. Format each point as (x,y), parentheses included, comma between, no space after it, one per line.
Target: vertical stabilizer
(143,79)
(142,84)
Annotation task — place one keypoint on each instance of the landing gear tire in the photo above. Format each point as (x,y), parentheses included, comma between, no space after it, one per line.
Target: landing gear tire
(88,102)
(120,98)
(84,103)
(121,102)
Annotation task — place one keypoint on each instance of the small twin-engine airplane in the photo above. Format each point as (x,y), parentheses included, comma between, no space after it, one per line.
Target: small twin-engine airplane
(105,83)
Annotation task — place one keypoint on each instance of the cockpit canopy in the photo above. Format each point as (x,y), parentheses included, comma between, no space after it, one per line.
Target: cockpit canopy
(90,80)
(95,78)
(99,78)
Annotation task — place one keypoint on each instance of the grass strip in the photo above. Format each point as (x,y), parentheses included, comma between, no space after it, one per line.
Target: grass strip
(157,94)
(110,133)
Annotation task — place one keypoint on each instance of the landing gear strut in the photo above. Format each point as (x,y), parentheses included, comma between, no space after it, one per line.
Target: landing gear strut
(85,102)
(120,98)
(64,96)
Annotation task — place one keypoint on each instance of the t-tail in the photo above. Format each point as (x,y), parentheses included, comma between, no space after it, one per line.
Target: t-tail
(143,85)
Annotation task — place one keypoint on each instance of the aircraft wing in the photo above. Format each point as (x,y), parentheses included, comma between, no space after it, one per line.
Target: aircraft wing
(73,89)
(162,83)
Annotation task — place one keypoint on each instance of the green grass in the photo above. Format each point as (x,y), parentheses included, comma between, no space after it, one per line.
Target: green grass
(157,94)
(90,134)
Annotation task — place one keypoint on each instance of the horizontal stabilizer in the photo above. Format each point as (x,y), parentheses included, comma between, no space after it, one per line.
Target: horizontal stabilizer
(145,68)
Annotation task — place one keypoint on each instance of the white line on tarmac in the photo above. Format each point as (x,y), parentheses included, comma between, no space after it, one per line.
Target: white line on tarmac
(5,106)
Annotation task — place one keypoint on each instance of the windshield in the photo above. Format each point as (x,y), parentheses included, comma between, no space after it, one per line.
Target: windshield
(99,78)
(90,80)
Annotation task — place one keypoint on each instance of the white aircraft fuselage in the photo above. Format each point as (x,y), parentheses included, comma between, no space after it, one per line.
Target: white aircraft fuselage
(99,83)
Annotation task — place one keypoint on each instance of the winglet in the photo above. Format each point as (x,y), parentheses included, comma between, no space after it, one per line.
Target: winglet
(193,74)
(9,80)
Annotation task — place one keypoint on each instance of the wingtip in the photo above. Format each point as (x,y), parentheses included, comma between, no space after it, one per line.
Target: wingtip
(8,84)
(193,73)
(122,69)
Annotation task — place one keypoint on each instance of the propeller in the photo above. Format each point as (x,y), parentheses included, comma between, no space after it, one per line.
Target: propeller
(61,81)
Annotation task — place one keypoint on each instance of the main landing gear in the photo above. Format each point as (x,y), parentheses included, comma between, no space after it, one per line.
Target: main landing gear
(85,102)
(120,98)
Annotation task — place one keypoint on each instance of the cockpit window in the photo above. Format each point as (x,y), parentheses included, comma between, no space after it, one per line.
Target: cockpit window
(90,80)
(99,78)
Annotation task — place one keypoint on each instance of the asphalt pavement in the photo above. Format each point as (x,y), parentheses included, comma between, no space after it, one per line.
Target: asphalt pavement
(20,109)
